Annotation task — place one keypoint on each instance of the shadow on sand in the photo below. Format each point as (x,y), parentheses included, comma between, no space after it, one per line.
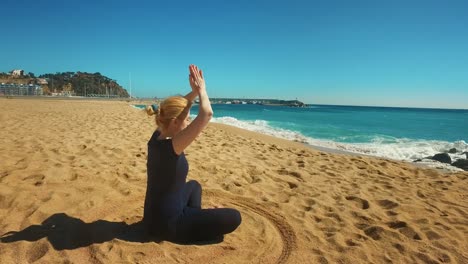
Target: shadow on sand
(66,232)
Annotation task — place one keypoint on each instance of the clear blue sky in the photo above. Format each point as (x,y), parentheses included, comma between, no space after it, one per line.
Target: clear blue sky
(389,53)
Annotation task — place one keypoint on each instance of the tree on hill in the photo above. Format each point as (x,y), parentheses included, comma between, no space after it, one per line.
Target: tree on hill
(84,83)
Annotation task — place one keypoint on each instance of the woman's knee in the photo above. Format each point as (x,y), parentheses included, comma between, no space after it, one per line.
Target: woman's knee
(234,219)
(196,186)
(237,218)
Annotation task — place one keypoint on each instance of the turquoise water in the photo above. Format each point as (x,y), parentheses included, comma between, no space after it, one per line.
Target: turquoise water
(398,133)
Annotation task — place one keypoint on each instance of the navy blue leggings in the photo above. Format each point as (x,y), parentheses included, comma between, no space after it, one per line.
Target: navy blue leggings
(198,224)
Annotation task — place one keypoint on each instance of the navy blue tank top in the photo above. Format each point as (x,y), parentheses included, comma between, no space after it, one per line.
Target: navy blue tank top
(167,173)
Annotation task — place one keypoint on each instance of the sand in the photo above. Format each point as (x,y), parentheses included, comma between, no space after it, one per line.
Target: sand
(73,180)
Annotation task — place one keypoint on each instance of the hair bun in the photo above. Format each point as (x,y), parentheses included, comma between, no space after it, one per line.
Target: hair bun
(151,110)
(157,110)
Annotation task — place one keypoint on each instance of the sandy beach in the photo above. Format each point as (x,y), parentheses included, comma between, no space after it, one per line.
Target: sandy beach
(73,181)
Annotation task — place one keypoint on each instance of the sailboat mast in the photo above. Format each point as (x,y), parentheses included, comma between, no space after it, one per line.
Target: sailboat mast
(130,77)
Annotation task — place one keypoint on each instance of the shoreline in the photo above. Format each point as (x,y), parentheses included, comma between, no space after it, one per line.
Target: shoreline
(441,167)
(277,140)
(444,168)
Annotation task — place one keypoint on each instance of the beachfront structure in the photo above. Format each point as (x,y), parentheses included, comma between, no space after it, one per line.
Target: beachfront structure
(64,93)
(17,72)
(9,89)
(42,81)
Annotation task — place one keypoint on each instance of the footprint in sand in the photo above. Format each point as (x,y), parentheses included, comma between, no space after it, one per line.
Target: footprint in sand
(361,203)
(399,247)
(404,229)
(274,147)
(37,250)
(391,213)
(356,240)
(136,257)
(6,201)
(309,204)
(431,235)
(4,174)
(255,179)
(300,163)
(74,177)
(375,232)
(232,188)
(387,204)
(22,164)
(35,179)
(292,185)
(295,174)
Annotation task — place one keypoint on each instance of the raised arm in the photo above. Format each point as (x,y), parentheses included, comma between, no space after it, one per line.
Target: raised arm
(185,137)
(191,96)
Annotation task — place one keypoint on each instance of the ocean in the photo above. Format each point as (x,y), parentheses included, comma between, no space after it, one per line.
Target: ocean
(396,133)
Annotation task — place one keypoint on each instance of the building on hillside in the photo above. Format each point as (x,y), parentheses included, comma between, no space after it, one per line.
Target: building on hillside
(42,81)
(17,73)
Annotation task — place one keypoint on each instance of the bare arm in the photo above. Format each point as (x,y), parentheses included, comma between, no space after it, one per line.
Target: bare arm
(185,137)
(191,96)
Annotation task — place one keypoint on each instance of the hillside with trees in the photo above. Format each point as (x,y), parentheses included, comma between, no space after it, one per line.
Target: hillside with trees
(77,83)
(84,84)
(28,78)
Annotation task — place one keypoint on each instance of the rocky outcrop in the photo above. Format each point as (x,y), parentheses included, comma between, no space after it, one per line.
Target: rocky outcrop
(442,157)
(452,151)
(445,158)
(461,163)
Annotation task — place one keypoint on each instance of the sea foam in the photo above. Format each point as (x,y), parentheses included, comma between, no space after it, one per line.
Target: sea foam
(381,146)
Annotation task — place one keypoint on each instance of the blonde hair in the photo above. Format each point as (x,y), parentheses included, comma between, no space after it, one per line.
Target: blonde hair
(171,108)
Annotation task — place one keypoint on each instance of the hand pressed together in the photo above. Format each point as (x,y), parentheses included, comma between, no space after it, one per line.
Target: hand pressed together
(197,82)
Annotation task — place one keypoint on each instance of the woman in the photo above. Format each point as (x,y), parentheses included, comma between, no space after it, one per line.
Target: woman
(172,205)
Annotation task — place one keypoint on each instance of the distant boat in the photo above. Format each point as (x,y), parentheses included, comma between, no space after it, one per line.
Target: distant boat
(228,102)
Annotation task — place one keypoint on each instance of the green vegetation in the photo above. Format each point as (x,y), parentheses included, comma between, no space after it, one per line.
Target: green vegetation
(7,78)
(84,84)
(79,83)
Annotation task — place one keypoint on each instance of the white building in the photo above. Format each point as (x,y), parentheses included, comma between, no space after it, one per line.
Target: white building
(14,89)
(17,72)
(41,81)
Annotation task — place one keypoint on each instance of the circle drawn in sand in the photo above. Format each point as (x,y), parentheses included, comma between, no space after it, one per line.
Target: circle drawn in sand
(286,232)
(280,238)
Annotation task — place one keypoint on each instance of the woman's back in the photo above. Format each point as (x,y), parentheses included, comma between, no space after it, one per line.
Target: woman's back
(166,176)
